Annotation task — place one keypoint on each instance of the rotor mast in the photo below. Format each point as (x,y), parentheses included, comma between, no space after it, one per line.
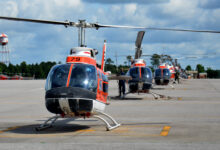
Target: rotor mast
(81,33)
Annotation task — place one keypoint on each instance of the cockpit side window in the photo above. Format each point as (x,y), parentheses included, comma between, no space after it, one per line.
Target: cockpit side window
(158,72)
(146,72)
(134,72)
(166,72)
(105,83)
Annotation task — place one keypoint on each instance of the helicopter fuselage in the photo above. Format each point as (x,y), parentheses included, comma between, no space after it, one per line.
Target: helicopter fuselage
(141,78)
(162,76)
(77,88)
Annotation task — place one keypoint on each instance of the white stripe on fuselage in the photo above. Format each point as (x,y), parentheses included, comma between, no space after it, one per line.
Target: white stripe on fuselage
(64,105)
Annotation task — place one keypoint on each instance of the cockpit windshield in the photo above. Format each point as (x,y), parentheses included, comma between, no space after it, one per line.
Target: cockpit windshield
(84,76)
(136,71)
(58,76)
(166,72)
(146,73)
(81,75)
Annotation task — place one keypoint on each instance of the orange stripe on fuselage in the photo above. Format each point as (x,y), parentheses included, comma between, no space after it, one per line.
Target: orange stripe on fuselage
(69,75)
(140,71)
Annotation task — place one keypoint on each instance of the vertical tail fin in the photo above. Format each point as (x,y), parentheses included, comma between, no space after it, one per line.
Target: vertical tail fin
(103,56)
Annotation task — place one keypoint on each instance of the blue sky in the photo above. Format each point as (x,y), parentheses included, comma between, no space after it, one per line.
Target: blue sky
(38,42)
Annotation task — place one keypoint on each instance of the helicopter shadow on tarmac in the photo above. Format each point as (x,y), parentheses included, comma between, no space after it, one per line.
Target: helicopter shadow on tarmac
(61,126)
(125,98)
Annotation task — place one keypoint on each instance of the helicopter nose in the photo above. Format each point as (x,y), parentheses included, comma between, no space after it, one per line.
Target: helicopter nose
(69,100)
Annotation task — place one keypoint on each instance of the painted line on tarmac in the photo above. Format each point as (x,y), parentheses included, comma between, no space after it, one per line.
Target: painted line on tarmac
(179,98)
(9,129)
(20,103)
(165,131)
(22,117)
(126,131)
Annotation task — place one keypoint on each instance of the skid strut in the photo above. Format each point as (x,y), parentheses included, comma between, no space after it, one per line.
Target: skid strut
(48,123)
(108,126)
(156,95)
(171,86)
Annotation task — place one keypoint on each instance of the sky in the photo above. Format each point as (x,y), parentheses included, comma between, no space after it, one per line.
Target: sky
(34,43)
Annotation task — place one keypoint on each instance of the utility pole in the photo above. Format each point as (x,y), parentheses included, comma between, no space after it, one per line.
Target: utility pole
(116,60)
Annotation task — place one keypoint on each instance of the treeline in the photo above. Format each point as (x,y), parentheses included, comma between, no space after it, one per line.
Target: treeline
(211,73)
(38,71)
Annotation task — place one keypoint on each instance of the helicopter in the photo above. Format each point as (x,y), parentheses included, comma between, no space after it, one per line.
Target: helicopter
(141,81)
(166,72)
(78,88)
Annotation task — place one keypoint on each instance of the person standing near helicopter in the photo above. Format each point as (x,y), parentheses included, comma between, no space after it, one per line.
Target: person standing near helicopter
(177,74)
(121,85)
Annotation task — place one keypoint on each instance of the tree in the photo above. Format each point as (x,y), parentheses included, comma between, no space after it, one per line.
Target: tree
(166,58)
(129,58)
(188,68)
(109,66)
(3,68)
(155,60)
(212,73)
(109,61)
(23,67)
(200,68)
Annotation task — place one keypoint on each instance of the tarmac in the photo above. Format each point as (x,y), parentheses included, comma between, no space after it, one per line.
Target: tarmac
(187,118)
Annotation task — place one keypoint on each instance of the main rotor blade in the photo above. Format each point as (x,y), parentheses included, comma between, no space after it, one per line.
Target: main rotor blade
(151,28)
(97,26)
(139,39)
(138,42)
(67,23)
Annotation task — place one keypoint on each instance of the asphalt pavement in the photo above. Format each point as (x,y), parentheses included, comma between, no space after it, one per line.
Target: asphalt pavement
(188,117)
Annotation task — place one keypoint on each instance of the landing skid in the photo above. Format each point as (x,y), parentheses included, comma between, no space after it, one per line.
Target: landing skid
(108,126)
(156,95)
(49,123)
(171,86)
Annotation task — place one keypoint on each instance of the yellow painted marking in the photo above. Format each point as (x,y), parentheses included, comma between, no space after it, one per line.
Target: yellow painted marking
(179,98)
(165,131)
(88,130)
(8,129)
(26,117)
(20,103)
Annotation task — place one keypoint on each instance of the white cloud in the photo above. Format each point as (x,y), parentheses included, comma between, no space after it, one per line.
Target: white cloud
(68,3)
(9,8)
(130,9)
(116,8)
(186,9)
(46,39)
